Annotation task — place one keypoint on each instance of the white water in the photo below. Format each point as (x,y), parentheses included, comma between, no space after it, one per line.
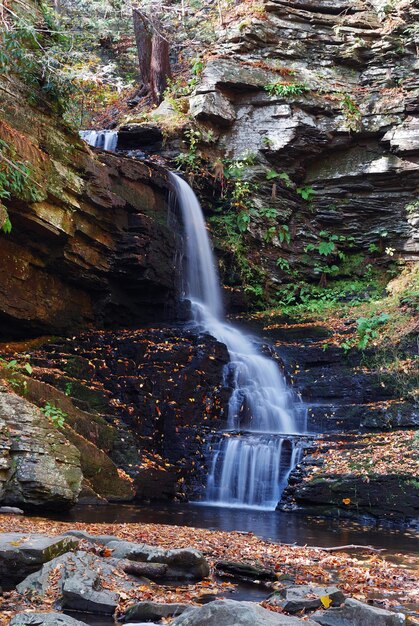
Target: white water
(249,467)
(105,139)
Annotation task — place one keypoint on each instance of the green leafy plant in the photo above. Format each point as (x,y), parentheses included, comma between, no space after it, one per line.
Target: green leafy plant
(269,212)
(16,180)
(56,415)
(283,264)
(286,90)
(306,193)
(284,233)
(351,111)
(367,328)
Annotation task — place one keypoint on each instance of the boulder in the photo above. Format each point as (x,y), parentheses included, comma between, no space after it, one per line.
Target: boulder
(305,597)
(184,563)
(39,466)
(22,553)
(83,582)
(355,613)
(212,107)
(44,619)
(143,136)
(232,613)
(148,610)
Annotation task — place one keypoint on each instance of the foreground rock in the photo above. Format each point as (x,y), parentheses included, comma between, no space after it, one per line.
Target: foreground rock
(305,598)
(44,619)
(355,613)
(38,465)
(147,611)
(181,563)
(83,582)
(232,613)
(184,563)
(21,554)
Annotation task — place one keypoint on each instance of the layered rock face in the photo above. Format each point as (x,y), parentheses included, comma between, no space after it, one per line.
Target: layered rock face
(348,131)
(89,243)
(38,466)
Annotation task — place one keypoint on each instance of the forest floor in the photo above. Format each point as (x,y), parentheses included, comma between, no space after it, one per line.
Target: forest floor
(390,581)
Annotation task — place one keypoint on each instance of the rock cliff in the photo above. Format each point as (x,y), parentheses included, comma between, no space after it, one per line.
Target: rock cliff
(89,242)
(320,102)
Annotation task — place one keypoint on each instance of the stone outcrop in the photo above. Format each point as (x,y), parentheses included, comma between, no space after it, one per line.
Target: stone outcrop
(38,465)
(22,554)
(348,133)
(83,582)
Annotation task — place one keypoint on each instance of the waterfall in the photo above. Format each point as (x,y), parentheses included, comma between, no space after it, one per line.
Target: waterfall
(252,460)
(105,139)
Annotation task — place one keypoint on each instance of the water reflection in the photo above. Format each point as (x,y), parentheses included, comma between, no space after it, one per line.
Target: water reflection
(273,525)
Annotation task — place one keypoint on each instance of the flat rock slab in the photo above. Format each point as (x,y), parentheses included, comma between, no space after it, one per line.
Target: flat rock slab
(183,563)
(305,597)
(232,613)
(44,619)
(355,613)
(83,582)
(23,553)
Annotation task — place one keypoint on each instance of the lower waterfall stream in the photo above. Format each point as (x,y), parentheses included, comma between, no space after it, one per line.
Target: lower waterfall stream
(252,458)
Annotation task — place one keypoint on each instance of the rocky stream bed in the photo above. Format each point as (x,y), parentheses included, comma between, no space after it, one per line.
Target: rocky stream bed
(149,573)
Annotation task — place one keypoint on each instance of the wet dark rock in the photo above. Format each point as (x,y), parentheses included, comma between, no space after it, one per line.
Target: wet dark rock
(391,415)
(44,619)
(166,385)
(389,496)
(232,613)
(355,613)
(297,598)
(149,611)
(146,137)
(244,571)
(22,554)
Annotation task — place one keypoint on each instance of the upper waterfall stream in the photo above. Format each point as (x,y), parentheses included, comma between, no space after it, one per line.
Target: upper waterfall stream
(252,459)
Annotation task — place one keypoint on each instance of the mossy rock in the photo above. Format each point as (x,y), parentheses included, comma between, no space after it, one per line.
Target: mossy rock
(99,470)
(90,425)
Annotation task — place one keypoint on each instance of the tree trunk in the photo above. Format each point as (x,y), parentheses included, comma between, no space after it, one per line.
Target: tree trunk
(160,65)
(153,54)
(143,38)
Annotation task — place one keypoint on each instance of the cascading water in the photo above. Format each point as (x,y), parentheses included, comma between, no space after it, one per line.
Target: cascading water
(105,139)
(251,461)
